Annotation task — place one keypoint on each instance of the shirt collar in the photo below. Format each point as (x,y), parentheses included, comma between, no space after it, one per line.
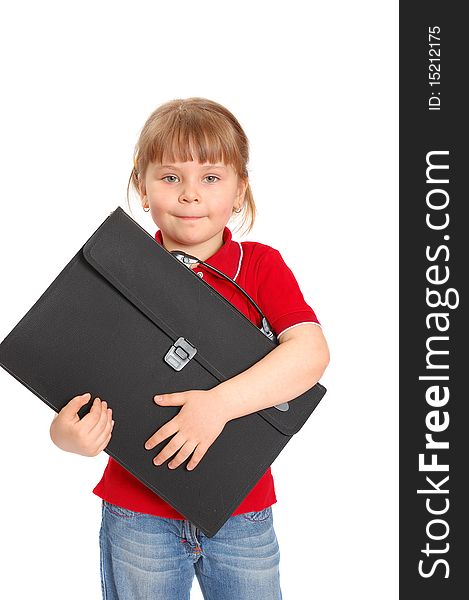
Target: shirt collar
(226,259)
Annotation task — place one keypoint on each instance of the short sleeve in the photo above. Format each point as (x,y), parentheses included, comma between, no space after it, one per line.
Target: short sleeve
(279,294)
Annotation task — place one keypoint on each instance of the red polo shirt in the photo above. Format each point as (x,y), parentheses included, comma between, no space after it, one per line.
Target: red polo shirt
(261,271)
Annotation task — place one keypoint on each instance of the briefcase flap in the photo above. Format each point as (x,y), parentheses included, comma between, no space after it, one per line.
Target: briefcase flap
(181,304)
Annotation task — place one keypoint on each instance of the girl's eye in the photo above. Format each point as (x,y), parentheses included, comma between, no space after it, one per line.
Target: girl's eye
(167,177)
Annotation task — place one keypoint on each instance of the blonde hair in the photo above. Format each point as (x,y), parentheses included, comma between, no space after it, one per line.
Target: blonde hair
(208,129)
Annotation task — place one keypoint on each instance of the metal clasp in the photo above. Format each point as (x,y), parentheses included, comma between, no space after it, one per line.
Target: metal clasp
(283,407)
(180,354)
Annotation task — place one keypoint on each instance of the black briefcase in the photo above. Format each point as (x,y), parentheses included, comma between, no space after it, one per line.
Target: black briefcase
(126,319)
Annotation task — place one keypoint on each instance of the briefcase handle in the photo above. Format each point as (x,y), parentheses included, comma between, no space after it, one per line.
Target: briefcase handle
(188,259)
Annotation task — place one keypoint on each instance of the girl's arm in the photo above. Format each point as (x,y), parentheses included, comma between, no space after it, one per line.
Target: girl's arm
(286,372)
(289,370)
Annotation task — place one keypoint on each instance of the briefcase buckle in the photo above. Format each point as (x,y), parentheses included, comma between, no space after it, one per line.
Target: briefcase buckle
(180,354)
(282,407)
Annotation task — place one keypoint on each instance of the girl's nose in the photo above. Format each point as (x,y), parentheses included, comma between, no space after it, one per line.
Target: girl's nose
(189,192)
(189,197)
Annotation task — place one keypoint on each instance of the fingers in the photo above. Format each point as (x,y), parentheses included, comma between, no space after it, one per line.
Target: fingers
(71,409)
(104,424)
(182,455)
(100,435)
(162,433)
(177,443)
(97,418)
(197,456)
(90,419)
(104,445)
(197,450)
(105,437)
(104,416)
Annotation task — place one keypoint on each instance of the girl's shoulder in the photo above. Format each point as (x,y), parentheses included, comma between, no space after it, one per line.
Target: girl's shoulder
(259,256)
(257,251)
(260,260)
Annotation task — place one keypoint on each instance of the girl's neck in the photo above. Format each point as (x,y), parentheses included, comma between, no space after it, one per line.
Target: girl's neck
(203,250)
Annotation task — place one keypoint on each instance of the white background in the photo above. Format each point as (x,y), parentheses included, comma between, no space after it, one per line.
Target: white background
(314,85)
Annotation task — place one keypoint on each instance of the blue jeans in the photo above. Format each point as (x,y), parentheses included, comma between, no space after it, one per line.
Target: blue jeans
(144,557)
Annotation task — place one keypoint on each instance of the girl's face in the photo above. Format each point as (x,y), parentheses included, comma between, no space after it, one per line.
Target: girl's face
(192,202)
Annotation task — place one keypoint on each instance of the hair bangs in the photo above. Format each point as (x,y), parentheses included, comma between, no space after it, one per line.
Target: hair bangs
(193,136)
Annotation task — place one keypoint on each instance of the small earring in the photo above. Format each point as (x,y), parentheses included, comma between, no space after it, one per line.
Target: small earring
(237,210)
(146,209)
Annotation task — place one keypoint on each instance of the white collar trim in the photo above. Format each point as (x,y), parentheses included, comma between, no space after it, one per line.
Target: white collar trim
(240,260)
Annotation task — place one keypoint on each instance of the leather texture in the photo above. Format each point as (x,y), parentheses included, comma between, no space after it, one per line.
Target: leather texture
(105,324)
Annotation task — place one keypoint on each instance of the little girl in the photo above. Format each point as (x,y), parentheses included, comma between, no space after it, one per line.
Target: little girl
(190,171)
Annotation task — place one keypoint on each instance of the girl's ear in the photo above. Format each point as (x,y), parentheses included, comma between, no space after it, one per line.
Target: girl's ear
(141,189)
(242,187)
(140,184)
(143,197)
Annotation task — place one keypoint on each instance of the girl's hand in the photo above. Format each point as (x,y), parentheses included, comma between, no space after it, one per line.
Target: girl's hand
(197,425)
(86,436)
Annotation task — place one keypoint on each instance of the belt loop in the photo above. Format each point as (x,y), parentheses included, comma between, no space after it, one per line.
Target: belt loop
(194,531)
